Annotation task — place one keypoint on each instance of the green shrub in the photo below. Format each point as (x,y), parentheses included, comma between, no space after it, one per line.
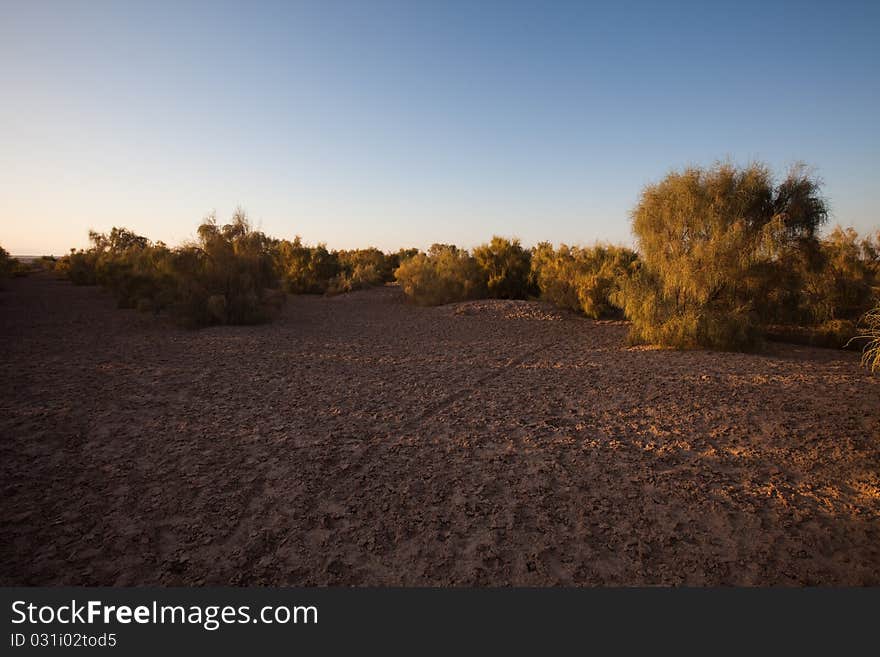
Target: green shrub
(79,267)
(843,286)
(314,270)
(225,277)
(234,262)
(713,243)
(506,266)
(359,269)
(444,275)
(584,280)
(396,259)
(304,269)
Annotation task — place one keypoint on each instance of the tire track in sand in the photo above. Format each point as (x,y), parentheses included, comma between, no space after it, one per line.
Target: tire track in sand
(366,452)
(449,400)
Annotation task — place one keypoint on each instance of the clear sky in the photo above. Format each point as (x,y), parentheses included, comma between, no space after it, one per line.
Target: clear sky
(404,123)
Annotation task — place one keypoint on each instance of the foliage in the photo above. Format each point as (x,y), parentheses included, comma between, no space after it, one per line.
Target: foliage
(7,264)
(582,279)
(315,270)
(224,277)
(443,275)
(871,352)
(226,274)
(726,256)
(398,258)
(713,243)
(505,265)
(305,269)
(844,285)
(360,269)
(17,268)
(446,273)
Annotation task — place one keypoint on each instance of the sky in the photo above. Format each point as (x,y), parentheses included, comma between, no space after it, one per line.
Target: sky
(398,124)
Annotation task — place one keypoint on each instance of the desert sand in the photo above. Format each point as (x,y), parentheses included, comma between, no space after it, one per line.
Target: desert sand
(359,440)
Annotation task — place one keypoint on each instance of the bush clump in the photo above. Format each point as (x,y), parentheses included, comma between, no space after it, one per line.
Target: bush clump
(361,268)
(585,280)
(871,351)
(442,275)
(226,276)
(306,269)
(506,267)
(315,270)
(499,269)
(716,244)
(14,268)
(843,286)
(7,264)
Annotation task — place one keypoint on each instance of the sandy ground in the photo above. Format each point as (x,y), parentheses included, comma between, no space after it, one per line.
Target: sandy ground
(362,441)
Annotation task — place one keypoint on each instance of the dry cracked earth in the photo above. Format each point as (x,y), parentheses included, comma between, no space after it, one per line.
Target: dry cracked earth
(359,440)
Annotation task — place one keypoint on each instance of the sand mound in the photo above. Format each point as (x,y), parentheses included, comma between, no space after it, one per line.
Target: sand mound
(508,309)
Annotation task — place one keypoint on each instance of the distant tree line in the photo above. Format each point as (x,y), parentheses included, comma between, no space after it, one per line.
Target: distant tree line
(15,268)
(725,258)
(230,274)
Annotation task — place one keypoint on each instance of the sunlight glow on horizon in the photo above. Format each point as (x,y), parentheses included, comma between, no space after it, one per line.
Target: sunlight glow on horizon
(396,125)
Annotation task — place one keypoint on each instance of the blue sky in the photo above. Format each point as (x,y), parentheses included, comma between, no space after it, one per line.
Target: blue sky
(405,123)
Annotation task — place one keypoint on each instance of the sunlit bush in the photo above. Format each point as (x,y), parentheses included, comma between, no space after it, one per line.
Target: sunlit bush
(225,277)
(305,269)
(396,259)
(712,242)
(505,265)
(359,269)
(315,270)
(843,285)
(443,275)
(871,352)
(582,279)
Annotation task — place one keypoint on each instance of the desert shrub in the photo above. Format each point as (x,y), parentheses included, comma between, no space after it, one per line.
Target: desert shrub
(7,264)
(543,254)
(359,269)
(106,262)
(713,243)
(816,296)
(15,268)
(843,285)
(315,270)
(119,240)
(443,275)
(232,262)
(582,279)
(871,333)
(79,266)
(122,261)
(396,259)
(225,277)
(305,269)
(505,265)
